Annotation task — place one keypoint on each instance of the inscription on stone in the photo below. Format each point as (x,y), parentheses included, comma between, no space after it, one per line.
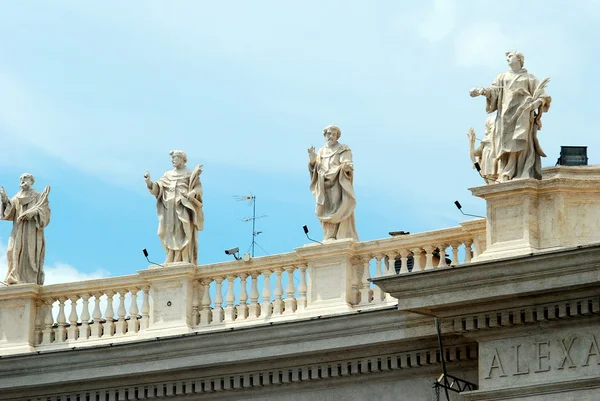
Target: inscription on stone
(540,357)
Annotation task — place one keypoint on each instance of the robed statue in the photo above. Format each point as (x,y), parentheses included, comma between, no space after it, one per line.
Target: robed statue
(485,154)
(29,211)
(179,206)
(519,101)
(331,182)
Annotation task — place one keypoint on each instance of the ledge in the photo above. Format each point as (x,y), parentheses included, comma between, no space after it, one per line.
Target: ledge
(441,292)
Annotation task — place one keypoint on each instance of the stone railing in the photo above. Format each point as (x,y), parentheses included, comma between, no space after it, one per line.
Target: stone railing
(315,280)
(66,313)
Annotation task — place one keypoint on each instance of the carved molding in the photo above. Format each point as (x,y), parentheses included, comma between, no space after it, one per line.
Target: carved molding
(273,377)
(530,314)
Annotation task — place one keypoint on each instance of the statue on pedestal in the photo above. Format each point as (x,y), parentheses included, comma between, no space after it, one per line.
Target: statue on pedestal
(485,154)
(179,207)
(519,100)
(29,211)
(331,182)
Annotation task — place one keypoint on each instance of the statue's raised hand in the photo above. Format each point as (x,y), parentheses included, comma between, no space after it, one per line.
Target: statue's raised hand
(312,156)
(147,178)
(3,196)
(471,135)
(475,92)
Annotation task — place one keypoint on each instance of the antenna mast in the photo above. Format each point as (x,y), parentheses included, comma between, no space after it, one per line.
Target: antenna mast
(252,199)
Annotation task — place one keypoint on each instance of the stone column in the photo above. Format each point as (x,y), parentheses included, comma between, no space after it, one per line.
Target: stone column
(17,318)
(330,275)
(171,298)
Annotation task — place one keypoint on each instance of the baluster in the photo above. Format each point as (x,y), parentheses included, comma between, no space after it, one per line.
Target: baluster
(48,332)
(121,325)
(73,330)
(265,307)
(278,302)
(196,303)
(145,322)
(205,312)
(39,311)
(61,320)
(218,309)
(417,252)
(391,264)
(133,324)
(404,261)
(97,325)
(84,329)
(230,299)
(254,309)
(455,246)
(109,314)
(428,257)
(378,294)
(302,288)
(468,252)
(365,291)
(242,309)
(290,292)
(442,262)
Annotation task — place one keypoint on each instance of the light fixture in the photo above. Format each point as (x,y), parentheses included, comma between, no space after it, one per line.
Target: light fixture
(305,228)
(149,261)
(459,207)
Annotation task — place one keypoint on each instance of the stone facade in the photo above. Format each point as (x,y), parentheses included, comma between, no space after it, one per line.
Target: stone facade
(517,299)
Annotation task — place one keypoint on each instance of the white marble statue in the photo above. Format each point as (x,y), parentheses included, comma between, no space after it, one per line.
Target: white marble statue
(29,211)
(331,182)
(519,100)
(179,207)
(485,154)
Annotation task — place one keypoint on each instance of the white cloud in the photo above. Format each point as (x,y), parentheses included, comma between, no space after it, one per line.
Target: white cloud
(439,21)
(55,274)
(481,45)
(64,273)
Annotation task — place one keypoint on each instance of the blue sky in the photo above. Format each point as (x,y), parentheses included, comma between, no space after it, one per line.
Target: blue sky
(94,94)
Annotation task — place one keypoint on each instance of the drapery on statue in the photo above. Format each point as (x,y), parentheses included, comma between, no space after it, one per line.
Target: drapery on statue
(519,100)
(485,154)
(179,207)
(30,213)
(331,182)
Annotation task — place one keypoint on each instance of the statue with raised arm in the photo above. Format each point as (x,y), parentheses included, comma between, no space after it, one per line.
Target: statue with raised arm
(29,211)
(179,207)
(485,154)
(331,182)
(519,101)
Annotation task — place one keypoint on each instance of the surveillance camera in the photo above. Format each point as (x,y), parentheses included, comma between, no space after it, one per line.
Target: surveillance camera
(232,251)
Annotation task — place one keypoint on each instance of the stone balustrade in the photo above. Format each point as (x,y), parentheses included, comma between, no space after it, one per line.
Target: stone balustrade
(423,251)
(67,313)
(315,280)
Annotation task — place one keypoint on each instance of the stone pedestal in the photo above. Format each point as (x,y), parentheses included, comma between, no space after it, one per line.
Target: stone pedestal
(17,318)
(332,279)
(171,295)
(527,216)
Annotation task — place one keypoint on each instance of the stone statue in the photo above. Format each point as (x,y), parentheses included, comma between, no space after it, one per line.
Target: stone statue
(29,211)
(519,100)
(331,182)
(485,154)
(179,207)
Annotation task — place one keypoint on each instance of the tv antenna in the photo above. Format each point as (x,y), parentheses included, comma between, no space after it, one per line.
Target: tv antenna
(251,199)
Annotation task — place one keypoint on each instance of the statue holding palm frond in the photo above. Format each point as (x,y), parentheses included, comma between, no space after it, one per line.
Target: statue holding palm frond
(29,212)
(519,101)
(179,207)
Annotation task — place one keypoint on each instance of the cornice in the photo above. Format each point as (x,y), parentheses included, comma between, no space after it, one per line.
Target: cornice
(431,292)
